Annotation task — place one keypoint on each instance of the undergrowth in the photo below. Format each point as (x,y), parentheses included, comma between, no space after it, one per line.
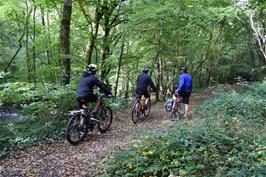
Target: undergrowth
(227,138)
(45,110)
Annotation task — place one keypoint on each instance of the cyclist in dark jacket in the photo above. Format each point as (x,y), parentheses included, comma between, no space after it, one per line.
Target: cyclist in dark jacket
(184,88)
(85,93)
(143,82)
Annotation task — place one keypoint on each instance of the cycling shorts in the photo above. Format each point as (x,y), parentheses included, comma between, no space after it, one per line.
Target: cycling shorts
(185,96)
(140,93)
(89,98)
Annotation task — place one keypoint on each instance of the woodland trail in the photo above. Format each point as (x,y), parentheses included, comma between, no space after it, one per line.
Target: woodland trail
(62,159)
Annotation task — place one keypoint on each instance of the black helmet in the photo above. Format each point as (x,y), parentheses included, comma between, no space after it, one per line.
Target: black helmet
(92,68)
(184,69)
(145,69)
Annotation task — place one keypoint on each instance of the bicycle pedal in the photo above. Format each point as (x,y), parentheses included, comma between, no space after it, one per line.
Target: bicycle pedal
(94,119)
(82,133)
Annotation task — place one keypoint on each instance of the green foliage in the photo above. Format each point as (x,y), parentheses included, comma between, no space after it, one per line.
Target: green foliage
(45,108)
(40,99)
(31,131)
(119,103)
(225,140)
(249,105)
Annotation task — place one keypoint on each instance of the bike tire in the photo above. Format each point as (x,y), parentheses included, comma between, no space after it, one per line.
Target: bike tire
(105,119)
(74,125)
(134,116)
(147,111)
(173,115)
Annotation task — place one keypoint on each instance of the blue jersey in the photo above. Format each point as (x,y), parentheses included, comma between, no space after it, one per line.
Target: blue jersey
(185,83)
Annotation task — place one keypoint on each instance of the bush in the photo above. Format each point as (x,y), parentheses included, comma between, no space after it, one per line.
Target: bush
(119,103)
(40,99)
(228,138)
(44,108)
(31,131)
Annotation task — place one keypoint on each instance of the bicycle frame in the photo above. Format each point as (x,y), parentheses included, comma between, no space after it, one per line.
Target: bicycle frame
(175,106)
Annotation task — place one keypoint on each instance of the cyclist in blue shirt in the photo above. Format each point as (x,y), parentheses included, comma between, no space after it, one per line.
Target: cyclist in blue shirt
(184,88)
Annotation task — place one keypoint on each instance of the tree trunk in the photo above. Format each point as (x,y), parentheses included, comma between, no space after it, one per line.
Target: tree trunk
(43,24)
(94,33)
(47,33)
(48,50)
(127,87)
(33,47)
(65,42)
(158,78)
(119,67)
(27,43)
(105,45)
(25,31)
(110,20)
(259,40)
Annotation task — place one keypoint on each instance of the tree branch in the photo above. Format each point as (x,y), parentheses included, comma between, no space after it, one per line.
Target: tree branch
(20,46)
(258,36)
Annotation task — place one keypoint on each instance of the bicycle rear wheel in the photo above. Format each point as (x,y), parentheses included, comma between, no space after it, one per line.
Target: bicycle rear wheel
(173,115)
(134,114)
(147,111)
(105,119)
(76,131)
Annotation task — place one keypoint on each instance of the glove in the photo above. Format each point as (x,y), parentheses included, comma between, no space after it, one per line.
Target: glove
(109,96)
(176,93)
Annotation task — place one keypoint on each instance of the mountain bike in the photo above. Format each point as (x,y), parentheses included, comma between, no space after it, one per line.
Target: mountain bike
(80,122)
(143,108)
(174,111)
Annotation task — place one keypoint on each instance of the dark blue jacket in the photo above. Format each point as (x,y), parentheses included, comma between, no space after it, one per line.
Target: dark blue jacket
(143,82)
(185,83)
(86,84)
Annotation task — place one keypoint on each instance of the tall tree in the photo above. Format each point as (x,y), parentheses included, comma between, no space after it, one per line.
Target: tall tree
(65,42)
(119,67)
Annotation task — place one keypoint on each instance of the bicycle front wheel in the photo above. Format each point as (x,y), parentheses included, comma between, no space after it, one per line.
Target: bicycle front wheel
(147,111)
(105,119)
(134,114)
(76,129)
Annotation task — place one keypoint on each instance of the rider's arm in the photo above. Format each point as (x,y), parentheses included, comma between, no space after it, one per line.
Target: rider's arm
(152,85)
(181,83)
(105,89)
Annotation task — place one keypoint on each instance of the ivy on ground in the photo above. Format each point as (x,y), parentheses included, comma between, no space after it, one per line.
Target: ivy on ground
(227,138)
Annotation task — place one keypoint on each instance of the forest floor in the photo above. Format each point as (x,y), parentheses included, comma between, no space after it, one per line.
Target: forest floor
(62,159)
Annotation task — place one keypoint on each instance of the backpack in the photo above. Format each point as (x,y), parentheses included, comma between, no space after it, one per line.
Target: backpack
(168,105)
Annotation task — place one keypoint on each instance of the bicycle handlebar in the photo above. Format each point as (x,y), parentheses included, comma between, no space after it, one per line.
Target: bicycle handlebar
(105,96)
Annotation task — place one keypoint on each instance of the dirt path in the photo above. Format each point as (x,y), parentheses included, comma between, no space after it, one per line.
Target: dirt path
(62,159)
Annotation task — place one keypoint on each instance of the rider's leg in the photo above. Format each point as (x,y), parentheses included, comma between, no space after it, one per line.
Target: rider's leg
(138,107)
(186,110)
(146,103)
(138,98)
(147,99)
(97,104)
(95,109)
(97,100)
(186,103)
(182,103)
(82,105)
